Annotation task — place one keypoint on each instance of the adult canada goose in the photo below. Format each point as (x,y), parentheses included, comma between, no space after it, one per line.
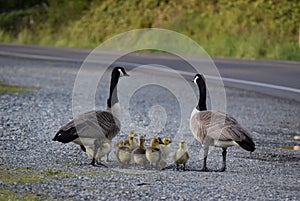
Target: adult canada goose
(181,155)
(139,154)
(214,128)
(153,153)
(95,129)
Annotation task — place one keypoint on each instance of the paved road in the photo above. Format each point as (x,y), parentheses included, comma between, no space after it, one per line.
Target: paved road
(276,78)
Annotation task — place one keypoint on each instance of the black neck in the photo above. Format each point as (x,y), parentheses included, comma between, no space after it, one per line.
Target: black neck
(202,93)
(113,94)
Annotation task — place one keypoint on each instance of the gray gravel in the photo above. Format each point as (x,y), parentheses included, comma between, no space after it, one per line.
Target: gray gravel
(31,164)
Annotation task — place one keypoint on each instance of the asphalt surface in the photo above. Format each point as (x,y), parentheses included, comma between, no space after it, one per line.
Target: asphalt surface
(276,78)
(32,165)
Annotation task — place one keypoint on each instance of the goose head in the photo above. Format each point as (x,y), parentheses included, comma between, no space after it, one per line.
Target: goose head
(116,73)
(120,72)
(198,78)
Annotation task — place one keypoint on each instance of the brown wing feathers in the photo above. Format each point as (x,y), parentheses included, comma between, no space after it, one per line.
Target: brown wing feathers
(89,121)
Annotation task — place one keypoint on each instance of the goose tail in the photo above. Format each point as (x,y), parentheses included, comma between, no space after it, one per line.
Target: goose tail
(247,144)
(65,136)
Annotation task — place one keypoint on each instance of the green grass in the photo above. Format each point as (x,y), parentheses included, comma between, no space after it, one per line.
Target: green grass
(242,29)
(286,147)
(24,175)
(19,175)
(7,88)
(57,173)
(8,195)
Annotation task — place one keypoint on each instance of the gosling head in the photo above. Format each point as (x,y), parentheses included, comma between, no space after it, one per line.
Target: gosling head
(125,143)
(167,140)
(142,140)
(181,144)
(155,142)
(131,135)
(160,140)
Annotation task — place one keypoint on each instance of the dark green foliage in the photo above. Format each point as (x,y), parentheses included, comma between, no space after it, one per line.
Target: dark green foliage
(12,5)
(242,28)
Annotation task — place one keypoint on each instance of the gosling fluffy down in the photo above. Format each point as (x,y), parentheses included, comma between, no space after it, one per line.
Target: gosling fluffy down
(123,153)
(153,153)
(181,156)
(165,151)
(129,141)
(139,154)
(104,149)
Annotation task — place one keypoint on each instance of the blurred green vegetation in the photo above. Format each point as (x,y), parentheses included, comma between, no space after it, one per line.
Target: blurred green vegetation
(8,88)
(242,28)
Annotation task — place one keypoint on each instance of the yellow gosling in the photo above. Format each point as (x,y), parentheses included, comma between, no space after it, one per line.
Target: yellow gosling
(153,153)
(165,151)
(123,154)
(104,149)
(132,143)
(181,156)
(128,142)
(139,153)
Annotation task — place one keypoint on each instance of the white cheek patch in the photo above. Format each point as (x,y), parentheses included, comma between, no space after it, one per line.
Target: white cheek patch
(121,73)
(195,79)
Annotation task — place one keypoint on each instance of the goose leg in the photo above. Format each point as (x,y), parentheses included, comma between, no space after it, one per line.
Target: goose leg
(204,168)
(95,162)
(107,157)
(83,148)
(223,168)
(101,164)
(157,165)
(147,165)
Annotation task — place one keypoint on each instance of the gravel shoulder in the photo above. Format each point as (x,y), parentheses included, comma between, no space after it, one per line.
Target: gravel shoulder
(33,167)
